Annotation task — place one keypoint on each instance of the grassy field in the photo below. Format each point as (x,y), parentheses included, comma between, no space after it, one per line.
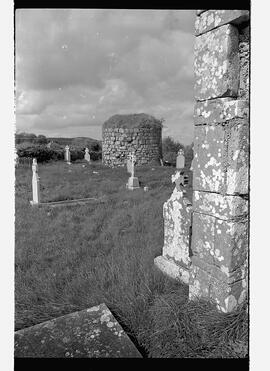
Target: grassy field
(74,257)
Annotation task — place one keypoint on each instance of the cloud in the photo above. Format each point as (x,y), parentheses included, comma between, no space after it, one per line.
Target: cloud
(86,65)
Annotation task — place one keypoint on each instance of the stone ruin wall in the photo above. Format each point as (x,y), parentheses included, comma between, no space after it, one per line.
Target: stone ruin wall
(118,143)
(206,243)
(219,261)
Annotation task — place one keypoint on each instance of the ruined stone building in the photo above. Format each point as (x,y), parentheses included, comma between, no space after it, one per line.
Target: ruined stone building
(213,259)
(124,134)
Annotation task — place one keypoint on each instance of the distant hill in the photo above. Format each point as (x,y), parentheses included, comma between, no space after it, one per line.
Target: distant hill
(77,141)
(42,139)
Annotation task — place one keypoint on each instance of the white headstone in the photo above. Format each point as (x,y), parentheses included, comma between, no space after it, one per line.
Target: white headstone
(180,160)
(67,154)
(87,155)
(35,183)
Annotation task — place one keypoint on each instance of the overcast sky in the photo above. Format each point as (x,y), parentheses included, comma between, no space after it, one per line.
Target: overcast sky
(77,67)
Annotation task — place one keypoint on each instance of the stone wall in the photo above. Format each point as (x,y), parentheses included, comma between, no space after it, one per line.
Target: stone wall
(144,138)
(219,261)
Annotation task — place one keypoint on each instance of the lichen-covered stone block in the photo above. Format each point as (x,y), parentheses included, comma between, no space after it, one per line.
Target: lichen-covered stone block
(226,296)
(208,162)
(237,167)
(219,242)
(216,63)
(244,41)
(218,205)
(221,157)
(221,274)
(215,18)
(219,110)
(90,333)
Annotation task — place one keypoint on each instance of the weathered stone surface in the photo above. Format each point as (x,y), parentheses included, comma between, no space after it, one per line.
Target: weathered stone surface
(219,242)
(244,40)
(142,136)
(177,222)
(221,159)
(215,18)
(216,64)
(172,269)
(221,206)
(219,110)
(237,173)
(221,273)
(90,333)
(208,162)
(227,296)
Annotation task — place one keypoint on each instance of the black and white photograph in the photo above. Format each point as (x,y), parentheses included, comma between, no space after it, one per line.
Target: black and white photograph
(132,183)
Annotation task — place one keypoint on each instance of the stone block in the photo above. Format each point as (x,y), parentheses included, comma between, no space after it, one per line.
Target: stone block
(208,164)
(215,18)
(244,42)
(219,242)
(172,269)
(221,274)
(90,333)
(226,296)
(221,157)
(177,222)
(237,168)
(219,110)
(220,206)
(216,64)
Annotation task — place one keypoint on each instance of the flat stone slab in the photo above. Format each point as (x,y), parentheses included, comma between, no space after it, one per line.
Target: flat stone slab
(90,333)
(79,201)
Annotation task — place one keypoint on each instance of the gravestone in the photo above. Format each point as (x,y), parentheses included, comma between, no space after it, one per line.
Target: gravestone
(87,155)
(175,259)
(133,182)
(67,155)
(35,183)
(90,333)
(180,159)
(129,166)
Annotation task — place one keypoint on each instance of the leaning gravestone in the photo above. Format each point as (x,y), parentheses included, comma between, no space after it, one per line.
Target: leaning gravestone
(90,333)
(87,155)
(180,160)
(175,260)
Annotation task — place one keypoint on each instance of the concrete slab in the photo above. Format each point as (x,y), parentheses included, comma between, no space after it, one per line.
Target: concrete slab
(90,333)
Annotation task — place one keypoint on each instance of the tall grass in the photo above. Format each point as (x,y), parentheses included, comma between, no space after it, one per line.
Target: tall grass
(71,258)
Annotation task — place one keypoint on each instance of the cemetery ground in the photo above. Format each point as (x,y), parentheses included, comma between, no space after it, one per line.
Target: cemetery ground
(70,258)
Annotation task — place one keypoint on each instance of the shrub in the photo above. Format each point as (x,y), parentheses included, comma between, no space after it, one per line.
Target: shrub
(41,152)
(56,152)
